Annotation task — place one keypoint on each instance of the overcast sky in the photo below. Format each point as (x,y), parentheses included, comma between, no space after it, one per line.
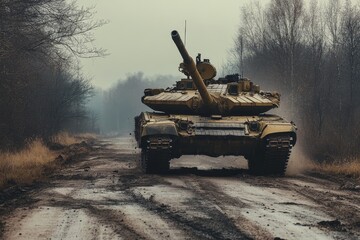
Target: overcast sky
(137,36)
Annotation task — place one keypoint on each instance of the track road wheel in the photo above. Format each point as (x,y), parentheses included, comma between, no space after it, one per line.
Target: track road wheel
(272,157)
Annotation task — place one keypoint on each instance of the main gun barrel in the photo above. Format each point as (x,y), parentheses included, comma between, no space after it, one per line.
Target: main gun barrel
(191,68)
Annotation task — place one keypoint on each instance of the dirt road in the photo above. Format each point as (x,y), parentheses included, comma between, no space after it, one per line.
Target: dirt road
(105,196)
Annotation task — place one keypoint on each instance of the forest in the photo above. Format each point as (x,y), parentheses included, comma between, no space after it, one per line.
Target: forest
(310,53)
(42,90)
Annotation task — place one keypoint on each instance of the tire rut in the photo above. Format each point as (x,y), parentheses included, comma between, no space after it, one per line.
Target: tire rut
(196,227)
(213,193)
(341,205)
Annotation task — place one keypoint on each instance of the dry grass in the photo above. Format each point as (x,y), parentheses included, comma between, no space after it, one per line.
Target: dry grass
(25,166)
(67,139)
(349,167)
(64,138)
(86,136)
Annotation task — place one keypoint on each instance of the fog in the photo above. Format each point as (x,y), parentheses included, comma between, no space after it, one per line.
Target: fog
(116,107)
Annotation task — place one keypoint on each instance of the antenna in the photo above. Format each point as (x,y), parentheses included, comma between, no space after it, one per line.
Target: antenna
(241,56)
(185,33)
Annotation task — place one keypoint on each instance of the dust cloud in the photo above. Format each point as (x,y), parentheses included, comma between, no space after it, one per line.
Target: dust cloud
(299,161)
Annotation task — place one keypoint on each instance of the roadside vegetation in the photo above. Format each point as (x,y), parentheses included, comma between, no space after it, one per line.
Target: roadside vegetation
(25,166)
(64,138)
(37,158)
(42,90)
(347,167)
(309,51)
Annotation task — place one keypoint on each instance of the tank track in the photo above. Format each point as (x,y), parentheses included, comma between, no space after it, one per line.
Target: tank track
(156,155)
(273,157)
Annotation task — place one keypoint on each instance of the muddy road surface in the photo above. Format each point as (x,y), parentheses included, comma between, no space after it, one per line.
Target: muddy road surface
(105,196)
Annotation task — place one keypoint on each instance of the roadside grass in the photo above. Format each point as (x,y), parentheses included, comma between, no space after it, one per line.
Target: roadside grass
(25,166)
(348,167)
(30,164)
(64,138)
(87,136)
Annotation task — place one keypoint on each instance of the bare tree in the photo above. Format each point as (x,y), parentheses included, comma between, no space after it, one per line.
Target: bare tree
(40,90)
(285,20)
(316,43)
(311,52)
(350,33)
(48,24)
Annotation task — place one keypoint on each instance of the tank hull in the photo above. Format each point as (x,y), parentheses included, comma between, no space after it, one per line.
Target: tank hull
(215,146)
(171,136)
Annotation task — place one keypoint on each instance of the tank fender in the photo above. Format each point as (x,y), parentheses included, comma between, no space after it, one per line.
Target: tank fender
(279,128)
(159,128)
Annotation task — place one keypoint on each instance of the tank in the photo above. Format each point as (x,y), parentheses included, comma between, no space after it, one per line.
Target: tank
(202,115)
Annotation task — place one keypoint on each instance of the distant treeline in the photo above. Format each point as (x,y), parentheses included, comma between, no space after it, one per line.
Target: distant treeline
(122,102)
(41,92)
(310,52)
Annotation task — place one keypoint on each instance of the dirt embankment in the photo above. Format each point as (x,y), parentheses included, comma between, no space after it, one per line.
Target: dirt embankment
(103,195)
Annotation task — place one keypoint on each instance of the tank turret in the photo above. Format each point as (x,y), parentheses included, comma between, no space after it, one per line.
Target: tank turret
(191,68)
(201,94)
